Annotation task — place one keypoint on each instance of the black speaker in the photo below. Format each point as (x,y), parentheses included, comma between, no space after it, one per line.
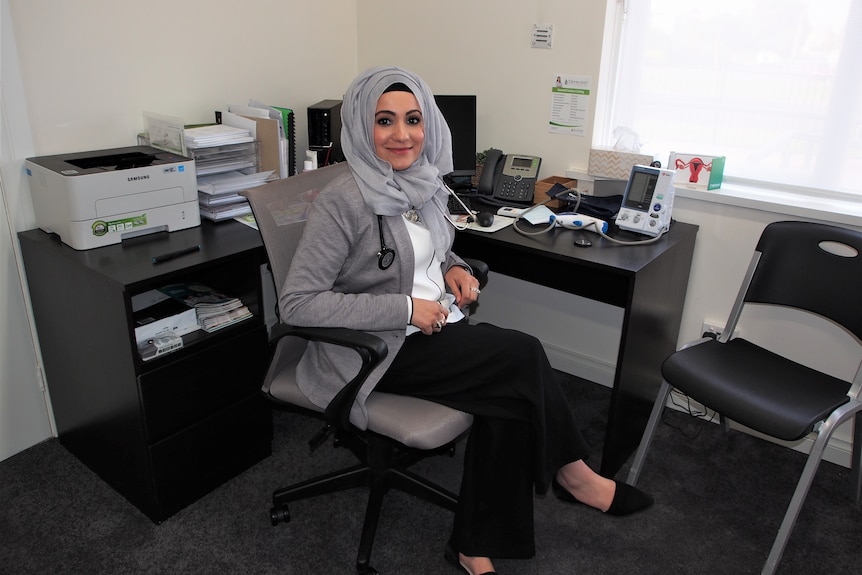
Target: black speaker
(324,131)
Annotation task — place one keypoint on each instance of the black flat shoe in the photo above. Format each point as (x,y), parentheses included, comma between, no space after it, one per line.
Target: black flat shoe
(451,557)
(627,499)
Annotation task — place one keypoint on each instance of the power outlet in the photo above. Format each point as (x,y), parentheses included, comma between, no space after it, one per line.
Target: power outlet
(714,328)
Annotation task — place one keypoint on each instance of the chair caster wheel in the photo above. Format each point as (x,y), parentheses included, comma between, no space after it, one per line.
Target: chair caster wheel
(279,514)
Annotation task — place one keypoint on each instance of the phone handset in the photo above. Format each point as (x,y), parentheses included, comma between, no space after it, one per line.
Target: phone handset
(509,178)
(489,171)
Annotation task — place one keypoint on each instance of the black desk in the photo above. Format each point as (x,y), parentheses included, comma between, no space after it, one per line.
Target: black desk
(648,281)
(167,431)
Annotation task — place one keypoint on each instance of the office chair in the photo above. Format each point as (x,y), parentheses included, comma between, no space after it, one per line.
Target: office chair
(401,430)
(812,267)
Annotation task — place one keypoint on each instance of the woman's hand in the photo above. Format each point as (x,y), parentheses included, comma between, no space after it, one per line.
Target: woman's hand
(429,316)
(463,285)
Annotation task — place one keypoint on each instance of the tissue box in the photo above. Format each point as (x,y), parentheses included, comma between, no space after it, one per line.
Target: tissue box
(617,164)
(696,171)
(540,194)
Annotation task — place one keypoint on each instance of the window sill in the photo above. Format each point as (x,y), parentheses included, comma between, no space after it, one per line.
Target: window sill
(835,210)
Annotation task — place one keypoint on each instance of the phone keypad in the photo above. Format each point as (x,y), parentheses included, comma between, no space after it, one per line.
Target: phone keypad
(515,189)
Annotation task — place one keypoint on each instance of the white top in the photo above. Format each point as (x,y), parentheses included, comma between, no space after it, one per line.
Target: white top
(428,282)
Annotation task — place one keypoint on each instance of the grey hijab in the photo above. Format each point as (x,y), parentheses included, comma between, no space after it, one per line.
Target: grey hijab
(386,191)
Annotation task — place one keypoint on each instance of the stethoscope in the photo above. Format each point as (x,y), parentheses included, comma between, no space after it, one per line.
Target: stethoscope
(386,256)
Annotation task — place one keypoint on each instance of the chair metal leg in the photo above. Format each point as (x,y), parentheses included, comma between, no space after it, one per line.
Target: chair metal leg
(795,506)
(814,457)
(649,432)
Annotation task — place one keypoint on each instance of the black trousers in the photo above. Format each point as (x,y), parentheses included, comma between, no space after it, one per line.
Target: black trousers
(523,429)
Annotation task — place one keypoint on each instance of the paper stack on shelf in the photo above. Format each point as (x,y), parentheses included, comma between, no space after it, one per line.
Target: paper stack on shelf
(227,160)
(218,195)
(216,135)
(214,310)
(234,181)
(215,316)
(228,211)
(248,146)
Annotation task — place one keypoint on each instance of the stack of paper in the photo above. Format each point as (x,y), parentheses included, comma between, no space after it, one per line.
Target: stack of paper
(218,315)
(214,310)
(227,158)
(216,135)
(227,161)
(218,195)
(227,182)
(230,209)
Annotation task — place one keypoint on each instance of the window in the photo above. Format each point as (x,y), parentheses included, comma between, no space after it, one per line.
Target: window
(773,85)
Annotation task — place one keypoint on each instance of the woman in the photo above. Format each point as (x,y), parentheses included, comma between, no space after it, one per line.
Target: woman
(376,256)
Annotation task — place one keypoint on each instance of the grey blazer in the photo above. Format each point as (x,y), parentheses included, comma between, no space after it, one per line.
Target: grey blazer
(334,281)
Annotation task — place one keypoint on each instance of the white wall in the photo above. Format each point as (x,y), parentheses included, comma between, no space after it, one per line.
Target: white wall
(24,412)
(91,67)
(482,47)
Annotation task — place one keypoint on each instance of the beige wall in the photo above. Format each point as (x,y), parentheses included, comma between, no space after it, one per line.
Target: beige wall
(92,67)
(483,47)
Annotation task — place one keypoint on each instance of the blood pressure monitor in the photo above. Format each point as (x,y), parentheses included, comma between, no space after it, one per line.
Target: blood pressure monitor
(648,201)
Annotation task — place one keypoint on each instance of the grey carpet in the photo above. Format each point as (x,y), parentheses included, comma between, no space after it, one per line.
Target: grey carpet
(719,501)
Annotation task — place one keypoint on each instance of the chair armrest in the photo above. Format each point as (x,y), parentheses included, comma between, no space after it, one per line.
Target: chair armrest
(370,348)
(336,335)
(480,270)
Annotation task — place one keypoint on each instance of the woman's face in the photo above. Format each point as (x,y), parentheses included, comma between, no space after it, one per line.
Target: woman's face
(399,129)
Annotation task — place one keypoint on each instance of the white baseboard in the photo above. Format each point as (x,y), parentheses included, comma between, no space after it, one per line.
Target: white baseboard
(582,366)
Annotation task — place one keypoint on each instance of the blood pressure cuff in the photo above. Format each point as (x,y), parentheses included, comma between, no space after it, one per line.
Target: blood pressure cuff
(602,207)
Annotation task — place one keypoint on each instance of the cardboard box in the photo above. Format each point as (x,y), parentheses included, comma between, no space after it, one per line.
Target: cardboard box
(615,164)
(697,171)
(540,194)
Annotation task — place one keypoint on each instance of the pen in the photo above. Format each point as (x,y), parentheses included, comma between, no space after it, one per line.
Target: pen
(176,254)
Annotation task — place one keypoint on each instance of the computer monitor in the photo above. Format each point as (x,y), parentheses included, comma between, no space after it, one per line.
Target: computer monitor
(460,114)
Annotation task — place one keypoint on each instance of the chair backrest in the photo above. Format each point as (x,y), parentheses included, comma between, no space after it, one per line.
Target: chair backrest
(813,267)
(281,208)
